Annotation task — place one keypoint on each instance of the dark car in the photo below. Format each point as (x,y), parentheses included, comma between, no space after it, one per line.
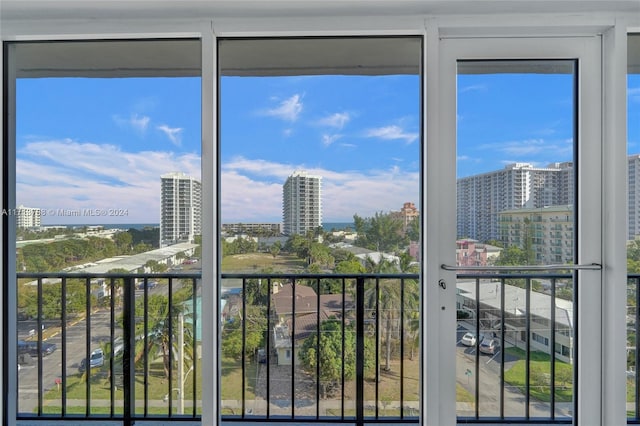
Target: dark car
(46,348)
(23,347)
(150,284)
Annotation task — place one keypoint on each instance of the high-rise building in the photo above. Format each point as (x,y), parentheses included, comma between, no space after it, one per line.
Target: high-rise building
(634,196)
(28,217)
(520,185)
(301,203)
(545,234)
(180,208)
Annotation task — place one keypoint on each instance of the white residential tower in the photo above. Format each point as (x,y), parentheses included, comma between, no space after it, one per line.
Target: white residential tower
(180,208)
(301,203)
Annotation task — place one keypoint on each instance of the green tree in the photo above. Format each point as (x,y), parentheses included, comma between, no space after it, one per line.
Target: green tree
(512,255)
(123,241)
(350,267)
(255,322)
(388,300)
(321,255)
(155,266)
(327,350)
(382,232)
(275,249)
(298,245)
(413,229)
(159,316)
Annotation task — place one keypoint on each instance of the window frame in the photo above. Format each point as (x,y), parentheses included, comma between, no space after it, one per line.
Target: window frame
(438,392)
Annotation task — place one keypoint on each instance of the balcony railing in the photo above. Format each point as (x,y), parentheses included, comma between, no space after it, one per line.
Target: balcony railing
(294,347)
(108,346)
(321,347)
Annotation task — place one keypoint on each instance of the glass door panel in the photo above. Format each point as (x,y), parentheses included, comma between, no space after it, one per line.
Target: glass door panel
(515,206)
(320,165)
(633,246)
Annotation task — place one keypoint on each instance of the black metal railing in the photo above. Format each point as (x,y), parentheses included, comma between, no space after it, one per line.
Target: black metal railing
(633,355)
(296,347)
(329,347)
(528,374)
(108,346)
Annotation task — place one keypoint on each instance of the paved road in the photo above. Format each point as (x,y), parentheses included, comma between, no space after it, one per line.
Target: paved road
(52,364)
(489,388)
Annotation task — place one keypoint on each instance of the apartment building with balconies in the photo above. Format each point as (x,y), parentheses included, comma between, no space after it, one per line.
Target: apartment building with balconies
(301,203)
(180,208)
(482,197)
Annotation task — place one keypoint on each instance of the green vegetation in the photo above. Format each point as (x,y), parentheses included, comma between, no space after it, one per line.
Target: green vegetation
(62,253)
(539,376)
(51,296)
(255,332)
(382,232)
(100,384)
(255,262)
(328,353)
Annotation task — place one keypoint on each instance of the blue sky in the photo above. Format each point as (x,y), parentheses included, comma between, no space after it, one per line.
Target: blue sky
(103,143)
(509,118)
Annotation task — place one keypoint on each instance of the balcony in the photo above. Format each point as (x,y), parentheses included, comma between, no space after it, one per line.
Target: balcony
(366,370)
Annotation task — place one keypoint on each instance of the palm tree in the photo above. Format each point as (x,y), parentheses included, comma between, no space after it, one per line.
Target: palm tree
(158,337)
(390,298)
(386,297)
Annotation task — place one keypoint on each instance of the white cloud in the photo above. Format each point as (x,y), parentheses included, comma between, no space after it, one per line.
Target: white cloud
(288,109)
(348,145)
(173,133)
(139,123)
(252,190)
(473,88)
(330,139)
(337,120)
(527,147)
(65,174)
(391,133)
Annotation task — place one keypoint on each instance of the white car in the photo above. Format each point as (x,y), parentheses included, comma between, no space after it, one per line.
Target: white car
(469,339)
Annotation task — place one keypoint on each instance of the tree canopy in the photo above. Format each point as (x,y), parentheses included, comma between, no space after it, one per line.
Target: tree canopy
(331,355)
(382,232)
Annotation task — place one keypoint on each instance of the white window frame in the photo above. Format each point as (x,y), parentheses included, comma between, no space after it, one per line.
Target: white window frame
(438,390)
(600,228)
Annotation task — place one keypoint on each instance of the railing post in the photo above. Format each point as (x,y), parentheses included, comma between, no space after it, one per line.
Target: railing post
(128,373)
(360,351)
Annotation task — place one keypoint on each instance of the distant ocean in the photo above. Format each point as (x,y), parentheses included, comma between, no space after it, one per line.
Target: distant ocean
(338,226)
(327,226)
(138,226)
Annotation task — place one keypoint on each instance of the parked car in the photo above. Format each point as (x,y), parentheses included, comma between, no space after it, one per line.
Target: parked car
(150,284)
(96,359)
(31,348)
(469,339)
(262,356)
(489,346)
(23,347)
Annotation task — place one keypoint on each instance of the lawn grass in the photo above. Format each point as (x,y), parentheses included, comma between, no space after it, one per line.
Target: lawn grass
(539,372)
(257,262)
(463,395)
(157,387)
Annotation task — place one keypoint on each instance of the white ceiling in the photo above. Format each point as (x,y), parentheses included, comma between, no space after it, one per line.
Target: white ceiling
(201,9)
(261,57)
